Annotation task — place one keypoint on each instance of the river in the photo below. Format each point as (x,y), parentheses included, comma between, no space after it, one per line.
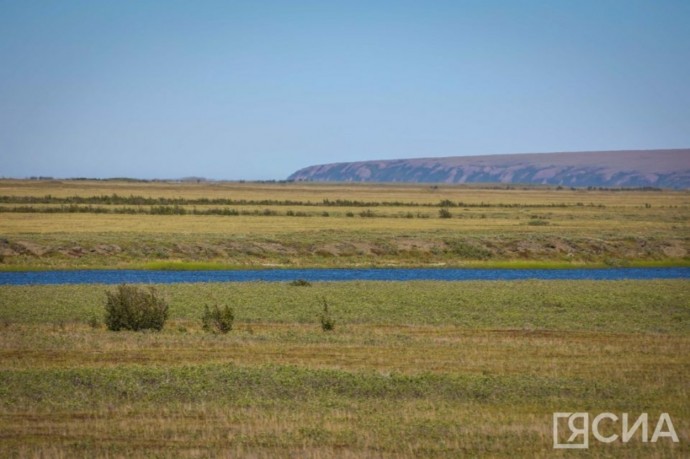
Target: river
(332,275)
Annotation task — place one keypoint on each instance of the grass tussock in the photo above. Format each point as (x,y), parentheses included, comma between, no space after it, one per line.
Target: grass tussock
(218,319)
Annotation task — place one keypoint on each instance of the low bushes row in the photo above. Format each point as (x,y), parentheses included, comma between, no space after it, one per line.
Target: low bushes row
(136,308)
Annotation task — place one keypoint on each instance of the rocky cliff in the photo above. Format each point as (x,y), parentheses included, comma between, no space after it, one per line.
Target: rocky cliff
(635,168)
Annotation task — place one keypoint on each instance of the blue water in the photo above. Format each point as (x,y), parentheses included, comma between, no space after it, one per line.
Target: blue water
(315,275)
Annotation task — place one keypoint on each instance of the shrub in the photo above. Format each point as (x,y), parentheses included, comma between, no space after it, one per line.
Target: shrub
(300,283)
(134,308)
(94,322)
(444,213)
(218,320)
(327,321)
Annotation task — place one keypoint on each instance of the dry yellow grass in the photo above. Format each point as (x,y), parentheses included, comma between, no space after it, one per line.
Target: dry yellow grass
(571,220)
(409,349)
(520,378)
(495,225)
(316,192)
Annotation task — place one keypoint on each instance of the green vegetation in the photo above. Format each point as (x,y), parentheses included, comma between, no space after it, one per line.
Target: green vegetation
(418,369)
(614,306)
(185,266)
(134,308)
(326,318)
(218,319)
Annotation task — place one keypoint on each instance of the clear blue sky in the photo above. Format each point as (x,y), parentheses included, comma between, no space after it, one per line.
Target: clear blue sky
(258,89)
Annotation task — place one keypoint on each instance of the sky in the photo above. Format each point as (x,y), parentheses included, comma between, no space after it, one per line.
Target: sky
(255,90)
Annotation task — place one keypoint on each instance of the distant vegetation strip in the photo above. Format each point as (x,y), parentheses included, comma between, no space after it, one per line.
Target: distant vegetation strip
(227,211)
(179,210)
(115,199)
(152,210)
(173,205)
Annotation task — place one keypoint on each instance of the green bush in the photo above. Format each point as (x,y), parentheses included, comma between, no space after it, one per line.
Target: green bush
(327,321)
(134,308)
(218,320)
(444,213)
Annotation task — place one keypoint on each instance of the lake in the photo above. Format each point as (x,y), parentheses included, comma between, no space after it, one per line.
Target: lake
(332,275)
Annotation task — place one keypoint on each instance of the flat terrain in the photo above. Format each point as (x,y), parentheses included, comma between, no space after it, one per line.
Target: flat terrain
(417,369)
(412,369)
(105,224)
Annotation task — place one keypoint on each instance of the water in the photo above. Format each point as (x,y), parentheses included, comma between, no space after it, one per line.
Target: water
(316,275)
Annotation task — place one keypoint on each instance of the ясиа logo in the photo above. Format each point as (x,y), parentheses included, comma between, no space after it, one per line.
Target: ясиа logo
(572,430)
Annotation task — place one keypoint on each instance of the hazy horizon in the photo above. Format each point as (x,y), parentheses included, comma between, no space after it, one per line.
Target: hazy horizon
(248,91)
(199,177)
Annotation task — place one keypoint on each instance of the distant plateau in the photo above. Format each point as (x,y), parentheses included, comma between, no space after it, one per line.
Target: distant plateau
(611,169)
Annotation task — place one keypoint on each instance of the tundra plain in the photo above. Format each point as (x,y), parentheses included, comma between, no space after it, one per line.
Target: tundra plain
(412,369)
(99,224)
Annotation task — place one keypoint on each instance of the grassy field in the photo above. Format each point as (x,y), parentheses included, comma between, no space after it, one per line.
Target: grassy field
(298,224)
(417,369)
(412,369)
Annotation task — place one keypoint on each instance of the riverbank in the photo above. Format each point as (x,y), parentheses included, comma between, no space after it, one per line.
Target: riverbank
(487,265)
(336,249)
